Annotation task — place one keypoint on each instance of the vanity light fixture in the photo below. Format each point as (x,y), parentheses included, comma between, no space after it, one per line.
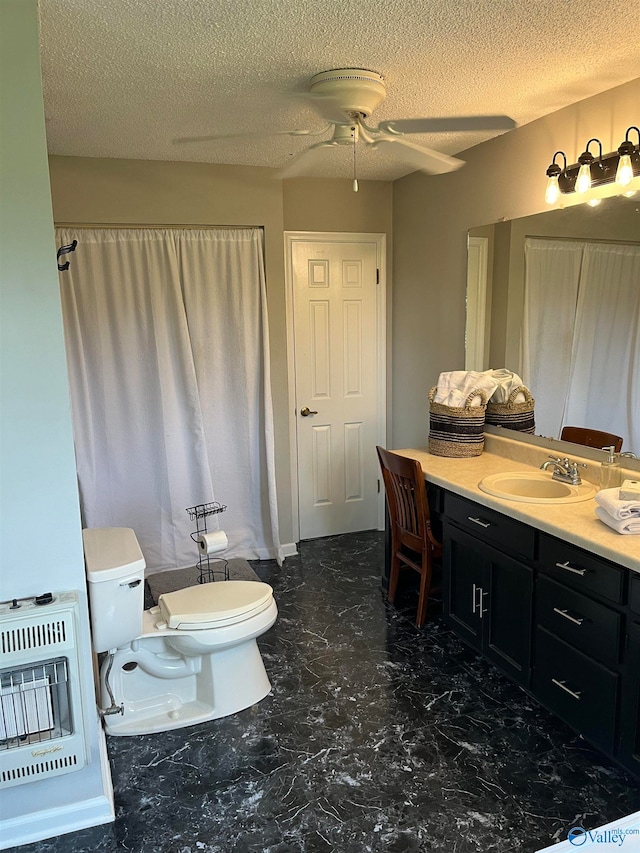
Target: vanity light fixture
(621,167)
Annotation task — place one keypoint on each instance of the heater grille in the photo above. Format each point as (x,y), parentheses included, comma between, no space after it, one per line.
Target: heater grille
(34,703)
(40,707)
(28,772)
(28,637)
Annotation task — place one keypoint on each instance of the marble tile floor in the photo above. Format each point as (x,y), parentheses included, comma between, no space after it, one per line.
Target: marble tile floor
(376,737)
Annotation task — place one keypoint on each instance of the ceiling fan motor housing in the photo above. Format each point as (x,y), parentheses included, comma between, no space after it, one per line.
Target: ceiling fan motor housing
(357,90)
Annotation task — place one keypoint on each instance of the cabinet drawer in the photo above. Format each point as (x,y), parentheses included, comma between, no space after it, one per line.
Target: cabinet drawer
(589,626)
(579,690)
(634,594)
(581,570)
(490,526)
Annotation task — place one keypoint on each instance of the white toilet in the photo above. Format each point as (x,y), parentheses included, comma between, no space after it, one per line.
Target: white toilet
(192,658)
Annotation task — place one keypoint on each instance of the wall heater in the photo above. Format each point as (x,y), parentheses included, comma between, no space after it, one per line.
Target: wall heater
(40,706)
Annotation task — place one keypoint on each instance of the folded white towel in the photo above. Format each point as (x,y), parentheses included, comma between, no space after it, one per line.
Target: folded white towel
(624,525)
(454,387)
(610,501)
(507,383)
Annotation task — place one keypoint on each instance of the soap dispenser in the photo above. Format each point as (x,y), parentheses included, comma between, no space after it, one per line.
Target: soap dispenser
(611,470)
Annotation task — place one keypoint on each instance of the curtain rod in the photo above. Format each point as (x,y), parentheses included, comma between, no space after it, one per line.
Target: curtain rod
(584,240)
(148,227)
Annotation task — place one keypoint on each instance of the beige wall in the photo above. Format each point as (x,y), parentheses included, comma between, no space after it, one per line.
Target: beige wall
(100,191)
(502,179)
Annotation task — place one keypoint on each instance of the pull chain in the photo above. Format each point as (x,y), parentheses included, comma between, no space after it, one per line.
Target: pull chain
(355,179)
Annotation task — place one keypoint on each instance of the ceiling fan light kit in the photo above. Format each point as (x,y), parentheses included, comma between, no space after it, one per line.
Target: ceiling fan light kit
(355,91)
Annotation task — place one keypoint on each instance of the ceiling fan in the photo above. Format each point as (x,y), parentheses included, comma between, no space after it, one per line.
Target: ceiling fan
(345,98)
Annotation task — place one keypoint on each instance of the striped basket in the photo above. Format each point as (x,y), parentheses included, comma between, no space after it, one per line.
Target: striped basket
(457,431)
(512,415)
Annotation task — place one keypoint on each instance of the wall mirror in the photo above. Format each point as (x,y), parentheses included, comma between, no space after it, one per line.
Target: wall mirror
(496,276)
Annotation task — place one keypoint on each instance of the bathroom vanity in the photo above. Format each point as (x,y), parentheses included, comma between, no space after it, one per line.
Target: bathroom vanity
(547,593)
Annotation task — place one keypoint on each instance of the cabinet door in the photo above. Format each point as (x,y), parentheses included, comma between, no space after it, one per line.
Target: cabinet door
(463,573)
(488,601)
(629,753)
(509,584)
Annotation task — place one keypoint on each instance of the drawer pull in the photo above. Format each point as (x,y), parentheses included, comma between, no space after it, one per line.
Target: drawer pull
(566,615)
(562,685)
(571,569)
(478,521)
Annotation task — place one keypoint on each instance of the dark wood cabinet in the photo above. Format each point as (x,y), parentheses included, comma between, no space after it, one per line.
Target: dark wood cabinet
(561,621)
(488,600)
(629,752)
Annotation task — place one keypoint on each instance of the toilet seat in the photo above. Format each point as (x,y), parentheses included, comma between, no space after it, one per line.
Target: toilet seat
(214,605)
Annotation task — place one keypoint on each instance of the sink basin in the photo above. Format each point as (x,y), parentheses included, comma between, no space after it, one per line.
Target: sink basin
(534,487)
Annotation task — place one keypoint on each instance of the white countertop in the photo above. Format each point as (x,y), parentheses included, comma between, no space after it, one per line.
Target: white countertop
(573,522)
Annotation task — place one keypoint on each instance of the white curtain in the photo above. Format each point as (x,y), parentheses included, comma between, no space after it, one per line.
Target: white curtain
(604,386)
(581,336)
(167,347)
(552,275)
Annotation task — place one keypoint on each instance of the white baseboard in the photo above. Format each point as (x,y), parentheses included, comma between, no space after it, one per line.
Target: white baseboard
(37,826)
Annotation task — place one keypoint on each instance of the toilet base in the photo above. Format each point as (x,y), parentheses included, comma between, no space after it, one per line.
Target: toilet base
(226,682)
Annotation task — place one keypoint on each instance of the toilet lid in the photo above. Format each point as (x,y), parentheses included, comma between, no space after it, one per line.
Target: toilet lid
(212,605)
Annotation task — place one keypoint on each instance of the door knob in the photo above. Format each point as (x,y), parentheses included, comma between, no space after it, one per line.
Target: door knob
(305,411)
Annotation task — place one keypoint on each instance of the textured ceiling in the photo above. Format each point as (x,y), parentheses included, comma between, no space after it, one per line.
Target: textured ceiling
(124,78)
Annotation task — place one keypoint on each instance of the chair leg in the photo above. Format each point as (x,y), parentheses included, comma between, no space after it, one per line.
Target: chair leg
(423,600)
(394,574)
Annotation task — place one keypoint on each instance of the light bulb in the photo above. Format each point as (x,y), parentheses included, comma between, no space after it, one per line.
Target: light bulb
(355,185)
(583,181)
(552,193)
(594,202)
(624,174)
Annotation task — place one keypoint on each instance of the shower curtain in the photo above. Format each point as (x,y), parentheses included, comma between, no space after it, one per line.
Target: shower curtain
(168,356)
(581,336)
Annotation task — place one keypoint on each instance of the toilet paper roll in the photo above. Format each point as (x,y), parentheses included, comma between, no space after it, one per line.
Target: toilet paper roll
(212,543)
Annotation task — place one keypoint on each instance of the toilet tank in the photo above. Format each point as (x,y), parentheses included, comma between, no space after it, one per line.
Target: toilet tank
(115,574)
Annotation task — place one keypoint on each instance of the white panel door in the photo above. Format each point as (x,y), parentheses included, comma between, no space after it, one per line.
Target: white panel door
(336,378)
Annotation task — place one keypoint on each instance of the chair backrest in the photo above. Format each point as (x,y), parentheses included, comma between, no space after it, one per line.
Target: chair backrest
(406,498)
(591,437)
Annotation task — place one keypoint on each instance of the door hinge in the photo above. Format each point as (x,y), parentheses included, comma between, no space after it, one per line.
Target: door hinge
(377,276)
(378,486)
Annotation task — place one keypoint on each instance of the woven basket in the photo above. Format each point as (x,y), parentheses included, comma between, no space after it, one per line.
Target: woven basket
(457,431)
(512,415)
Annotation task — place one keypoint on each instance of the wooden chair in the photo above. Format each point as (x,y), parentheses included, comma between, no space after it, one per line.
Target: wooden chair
(591,437)
(412,541)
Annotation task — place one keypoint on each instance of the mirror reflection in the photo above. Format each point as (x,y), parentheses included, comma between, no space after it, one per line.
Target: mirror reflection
(556,298)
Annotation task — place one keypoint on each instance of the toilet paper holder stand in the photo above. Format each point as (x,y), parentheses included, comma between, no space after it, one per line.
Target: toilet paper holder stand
(208,566)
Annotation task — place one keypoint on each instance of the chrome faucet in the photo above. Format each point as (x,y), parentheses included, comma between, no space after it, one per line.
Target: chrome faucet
(564,470)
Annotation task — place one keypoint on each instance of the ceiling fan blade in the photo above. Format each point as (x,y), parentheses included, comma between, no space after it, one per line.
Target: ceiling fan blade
(424,159)
(256,135)
(311,156)
(447,125)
